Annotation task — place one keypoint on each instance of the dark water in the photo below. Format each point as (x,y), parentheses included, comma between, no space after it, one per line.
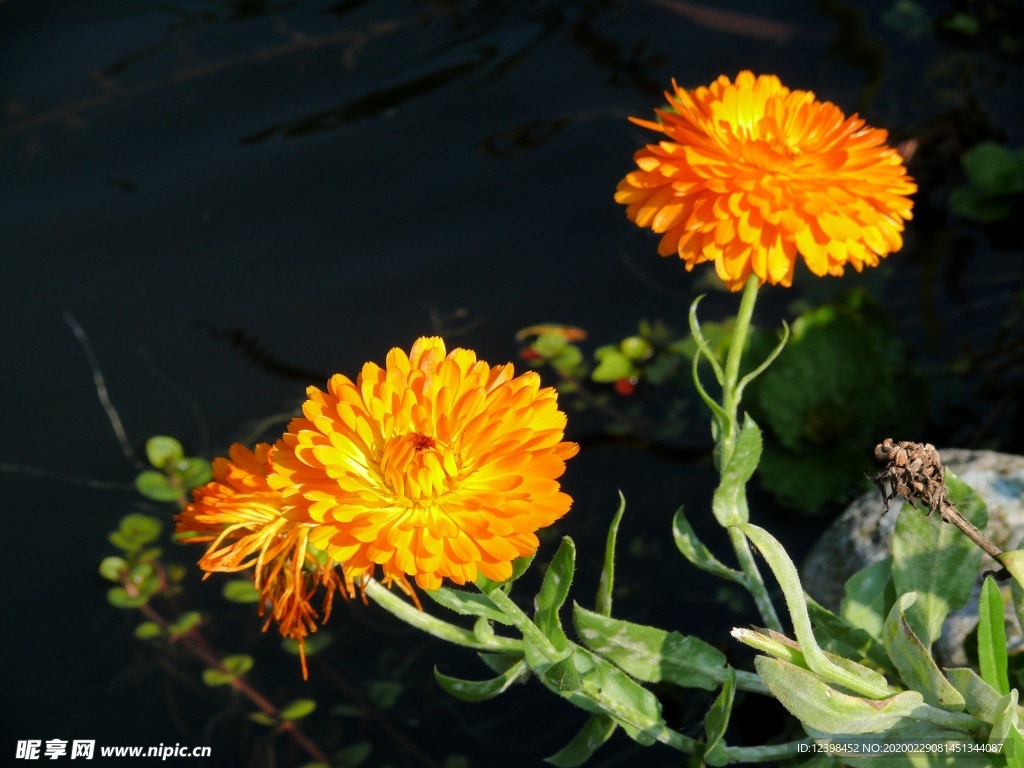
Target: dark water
(334,179)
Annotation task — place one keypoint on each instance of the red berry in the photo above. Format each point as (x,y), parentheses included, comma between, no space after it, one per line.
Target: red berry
(625,386)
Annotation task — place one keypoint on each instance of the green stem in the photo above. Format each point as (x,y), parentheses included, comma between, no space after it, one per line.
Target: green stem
(727,435)
(432,625)
(730,393)
(522,622)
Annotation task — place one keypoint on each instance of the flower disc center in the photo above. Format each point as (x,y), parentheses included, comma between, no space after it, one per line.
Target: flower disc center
(417,467)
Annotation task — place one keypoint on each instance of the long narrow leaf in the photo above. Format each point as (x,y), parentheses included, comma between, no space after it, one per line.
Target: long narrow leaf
(606,585)
(914,662)
(786,574)
(595,732)
(693,549)
(992,659)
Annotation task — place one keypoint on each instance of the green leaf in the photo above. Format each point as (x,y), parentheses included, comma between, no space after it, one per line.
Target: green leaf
(257,717)
(185,622)
(193,472)
(636,348)
(500,662)
(935,560)
(553,591)
(605,689)
(353,756)
(384,693)
(519,567)
(467,603)
(980,699)
(695,551)
(562,676)
(119,598)
(651,654)
(148,630)
(240,591)
(214,677)
(163,451)
(729,503)
(237,664)
(1013,561)
(1014,749)
(606,584)
(313,644)
(113,568)
(612,366)
(914,662)
(781,647)
(840,637)
(1007,717)
(992,659)
(156,486)
(469,690)
(993,168)
(717,720)
(864,604)
(141,528)
(827,710)
(975,204)
(862,681)
(298,709)
(595,732)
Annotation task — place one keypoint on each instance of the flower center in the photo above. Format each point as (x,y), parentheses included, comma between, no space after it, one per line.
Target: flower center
(418,468)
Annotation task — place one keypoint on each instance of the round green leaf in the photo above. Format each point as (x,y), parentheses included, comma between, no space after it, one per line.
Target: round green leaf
(238,664)
(156,486)
(119,598)
(636,347)
(613,366)
(141,528)
(548,345)
(240,591)
(384,693)
(147,630)
(185,622)
(163,451)
(353,756)
(313,645)
(194,472)
(214,677)
(297,709)
(112,568)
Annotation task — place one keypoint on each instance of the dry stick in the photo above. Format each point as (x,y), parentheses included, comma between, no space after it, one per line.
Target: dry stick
(101,389)
(197,645)
(299,43)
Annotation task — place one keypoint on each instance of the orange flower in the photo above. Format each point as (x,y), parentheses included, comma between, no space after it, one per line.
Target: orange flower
(435,466)
(751,173)
(243,518)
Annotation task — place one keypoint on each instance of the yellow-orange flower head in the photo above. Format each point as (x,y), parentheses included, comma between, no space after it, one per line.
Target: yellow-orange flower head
(243,520)
(435,466)
(751,173)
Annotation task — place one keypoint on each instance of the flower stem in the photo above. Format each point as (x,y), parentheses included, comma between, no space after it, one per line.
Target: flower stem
(730,391)
(432,625)
(727,435)
(522,622)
